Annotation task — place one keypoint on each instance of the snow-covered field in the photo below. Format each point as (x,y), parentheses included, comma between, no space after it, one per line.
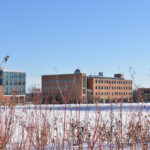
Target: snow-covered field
(101,126)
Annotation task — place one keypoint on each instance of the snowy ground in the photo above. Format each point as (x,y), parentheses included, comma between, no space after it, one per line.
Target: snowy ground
(31,126)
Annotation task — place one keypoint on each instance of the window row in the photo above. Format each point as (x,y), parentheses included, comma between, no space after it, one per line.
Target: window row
(114,93)
(56,88)
(56,81)
(55,93)
(113,88)
(14,75)
(113,82)
(11,91)
(14,82)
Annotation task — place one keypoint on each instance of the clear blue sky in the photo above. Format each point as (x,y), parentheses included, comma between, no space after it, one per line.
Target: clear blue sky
(49,36)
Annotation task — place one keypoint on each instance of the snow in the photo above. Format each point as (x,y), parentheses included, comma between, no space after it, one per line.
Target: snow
(30,123)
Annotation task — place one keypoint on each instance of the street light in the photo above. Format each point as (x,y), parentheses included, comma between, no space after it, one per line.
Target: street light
(4,60)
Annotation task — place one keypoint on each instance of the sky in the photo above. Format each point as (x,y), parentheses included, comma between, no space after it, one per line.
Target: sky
(57,36)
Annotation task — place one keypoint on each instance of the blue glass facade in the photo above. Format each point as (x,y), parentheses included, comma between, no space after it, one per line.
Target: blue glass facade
(13,82)
(1,77)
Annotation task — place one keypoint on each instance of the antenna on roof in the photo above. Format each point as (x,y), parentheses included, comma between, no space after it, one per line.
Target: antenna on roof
(118,69)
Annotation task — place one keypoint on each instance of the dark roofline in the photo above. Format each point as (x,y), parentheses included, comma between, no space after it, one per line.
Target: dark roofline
(14,71)
(99,77)
(143,89)
(62,74)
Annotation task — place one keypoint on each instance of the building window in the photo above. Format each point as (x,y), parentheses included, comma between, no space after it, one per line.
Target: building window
(14,82)
(84,81)
(1,82)
(84,91)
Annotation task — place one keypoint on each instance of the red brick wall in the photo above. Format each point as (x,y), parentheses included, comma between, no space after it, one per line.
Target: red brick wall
(1,92)
(73,90)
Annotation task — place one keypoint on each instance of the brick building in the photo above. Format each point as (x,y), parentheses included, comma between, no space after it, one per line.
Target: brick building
(80,88)
(12,86)
(142,95)
(106,89)
(65,88)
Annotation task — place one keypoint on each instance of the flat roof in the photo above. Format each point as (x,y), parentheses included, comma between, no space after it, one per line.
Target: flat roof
(14,71)
(101,77)
(62,74)
(143,88)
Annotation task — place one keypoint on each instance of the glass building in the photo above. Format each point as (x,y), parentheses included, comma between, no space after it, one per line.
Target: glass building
(13,82)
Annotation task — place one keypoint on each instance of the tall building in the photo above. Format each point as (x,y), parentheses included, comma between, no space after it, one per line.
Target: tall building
(65,88)
(106,89)
(12,86)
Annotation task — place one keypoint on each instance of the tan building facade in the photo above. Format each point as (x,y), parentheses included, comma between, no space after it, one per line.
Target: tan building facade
(65,88)
(107,89)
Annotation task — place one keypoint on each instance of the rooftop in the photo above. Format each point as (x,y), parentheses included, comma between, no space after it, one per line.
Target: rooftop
(3,69)
(76,72)
(102,77)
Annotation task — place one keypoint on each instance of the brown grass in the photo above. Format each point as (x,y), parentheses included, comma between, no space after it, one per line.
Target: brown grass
(28,128)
